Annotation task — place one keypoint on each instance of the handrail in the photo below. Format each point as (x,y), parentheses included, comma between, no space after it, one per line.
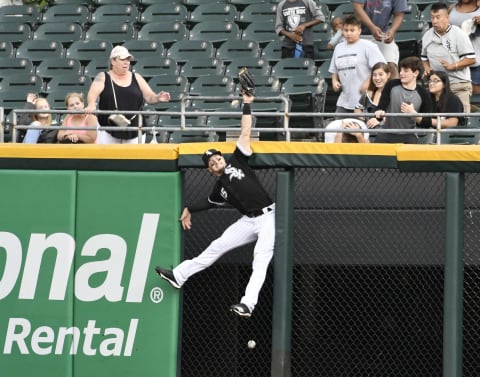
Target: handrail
(285,114)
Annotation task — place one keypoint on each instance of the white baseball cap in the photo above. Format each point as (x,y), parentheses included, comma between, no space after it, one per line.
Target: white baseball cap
(121,53)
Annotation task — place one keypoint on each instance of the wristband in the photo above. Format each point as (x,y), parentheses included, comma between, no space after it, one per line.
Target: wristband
(247,109)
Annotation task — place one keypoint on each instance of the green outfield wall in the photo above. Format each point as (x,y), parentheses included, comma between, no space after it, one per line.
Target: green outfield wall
(82,228)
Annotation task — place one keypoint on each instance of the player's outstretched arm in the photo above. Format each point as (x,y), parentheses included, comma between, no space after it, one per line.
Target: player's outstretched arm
(186,219)
(246,124)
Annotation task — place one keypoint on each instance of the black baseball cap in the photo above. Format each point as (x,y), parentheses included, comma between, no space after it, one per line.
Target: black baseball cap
(209,153)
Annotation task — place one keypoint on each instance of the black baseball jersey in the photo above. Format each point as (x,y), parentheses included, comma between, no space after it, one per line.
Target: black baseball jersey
(239,186)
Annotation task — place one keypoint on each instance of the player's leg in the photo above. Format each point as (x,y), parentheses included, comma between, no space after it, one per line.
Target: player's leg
(262,255)
(238,234)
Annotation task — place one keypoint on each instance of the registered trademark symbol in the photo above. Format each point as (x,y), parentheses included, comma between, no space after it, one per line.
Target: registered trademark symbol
(156,295)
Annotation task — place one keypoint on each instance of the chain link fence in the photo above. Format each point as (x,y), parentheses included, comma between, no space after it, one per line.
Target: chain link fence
(367,279)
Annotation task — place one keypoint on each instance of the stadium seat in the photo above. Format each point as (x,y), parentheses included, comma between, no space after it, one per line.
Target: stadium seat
(87,50)
(95,66)
(6,50)
(202,67)
(39,50)
(221,104)
(115,13)
(15,33)
(261,32)
(165,32)
(52,67)
(272,52)
(333,4)
(114,32)
(408,43)
(68,81)
(179,137)
(28,14)
(174,84)
(322,32)
(13,99)
(78,13)
(185,50)
(63,32)
(425,11)
(233,49)
(256,66)
(323,69)
(31,83)
(308,95)
(413,12)
(257,12)
(161,11)
(215,31)
(11,66)
(242,4)
(342,10)
(152,66)
(145,48)
(212,86)
(213,12)
(463,138)
(192,4)
(413,25)
(97,3)
(290,67)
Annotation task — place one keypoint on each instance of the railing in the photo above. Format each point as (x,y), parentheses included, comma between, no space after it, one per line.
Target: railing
(284,114)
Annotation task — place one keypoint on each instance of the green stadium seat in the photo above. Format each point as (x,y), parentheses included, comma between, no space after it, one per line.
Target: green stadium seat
(257,12)
(39,50)
(11,66)
(234,49)
(78,13)
(213,12)
(342,10)
(145,48)
(95,66)
(63,32)
(31,83)
(212,86)
(262,32)
(88,50)
(215,32)
(68,81)
(256,66)
(114,32)
(26,13)
(115,13)
(52,67)
(152,66)
(6,50)
(162,11)
(290,67)
(185,50)
(202,67)
(14,32)
(167,32)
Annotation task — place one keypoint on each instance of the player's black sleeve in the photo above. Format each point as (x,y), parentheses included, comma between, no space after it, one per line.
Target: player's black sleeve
(200,205)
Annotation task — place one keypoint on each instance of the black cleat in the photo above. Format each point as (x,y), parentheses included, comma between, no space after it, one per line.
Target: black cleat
(241,310)
(168,276)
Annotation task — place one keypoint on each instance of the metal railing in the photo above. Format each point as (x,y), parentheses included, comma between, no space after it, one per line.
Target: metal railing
(284,115)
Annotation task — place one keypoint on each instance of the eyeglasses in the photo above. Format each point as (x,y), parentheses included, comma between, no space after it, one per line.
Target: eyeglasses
(434,81)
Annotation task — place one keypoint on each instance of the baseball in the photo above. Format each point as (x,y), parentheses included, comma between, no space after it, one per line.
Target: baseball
(251,344)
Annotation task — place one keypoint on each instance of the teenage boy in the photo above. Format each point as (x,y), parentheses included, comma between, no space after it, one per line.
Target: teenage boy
(403,95)
(294,21)
(351,64)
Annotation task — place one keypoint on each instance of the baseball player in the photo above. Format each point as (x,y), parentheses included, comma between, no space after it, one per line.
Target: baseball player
(238,186)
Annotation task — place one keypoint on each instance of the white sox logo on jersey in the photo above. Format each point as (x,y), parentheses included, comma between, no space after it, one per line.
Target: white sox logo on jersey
(233,172)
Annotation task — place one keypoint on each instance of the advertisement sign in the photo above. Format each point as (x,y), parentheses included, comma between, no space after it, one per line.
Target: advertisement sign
(78,292)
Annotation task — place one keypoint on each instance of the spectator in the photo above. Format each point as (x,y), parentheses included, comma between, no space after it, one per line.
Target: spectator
(337,37)
(74,101)
(25,119)
(444,101)
(466,15)
(41,135)
(126,89)
(369,100)
(447,48)
(351,64)
(294,21)
(404,95)
(347,137)
(381,20)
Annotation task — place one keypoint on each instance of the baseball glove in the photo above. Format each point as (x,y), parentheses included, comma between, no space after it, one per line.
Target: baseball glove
(246,81)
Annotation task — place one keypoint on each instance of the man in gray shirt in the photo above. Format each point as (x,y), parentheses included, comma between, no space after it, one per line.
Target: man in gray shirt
(448,48)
